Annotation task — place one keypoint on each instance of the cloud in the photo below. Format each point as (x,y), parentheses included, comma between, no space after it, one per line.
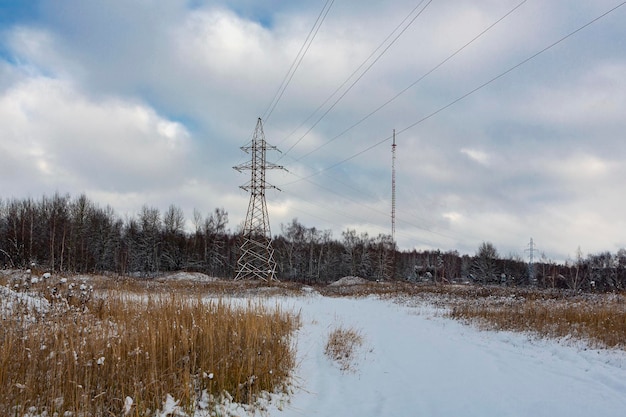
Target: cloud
(221,42)
(592,99)
(64,140)
(148,102)
(477,156)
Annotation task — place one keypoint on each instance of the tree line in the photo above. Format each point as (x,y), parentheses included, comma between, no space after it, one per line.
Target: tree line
(65,234)
(75,235)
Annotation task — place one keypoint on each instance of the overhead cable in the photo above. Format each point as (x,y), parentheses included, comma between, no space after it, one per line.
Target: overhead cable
(298,59)
(413,83)
(359,203)
(462,97)
(360,76)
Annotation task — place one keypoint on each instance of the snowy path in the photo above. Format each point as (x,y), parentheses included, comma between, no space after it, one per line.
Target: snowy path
(415,364)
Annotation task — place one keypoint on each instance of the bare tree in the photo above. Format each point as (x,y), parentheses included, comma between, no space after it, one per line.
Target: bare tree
(357,260)
(150,226)
(173,240)
(384,248)
(485,266)
(292,250)
(215,240)
(577,272)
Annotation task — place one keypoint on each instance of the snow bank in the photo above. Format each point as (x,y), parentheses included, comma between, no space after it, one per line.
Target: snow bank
(189,276)
(350,280)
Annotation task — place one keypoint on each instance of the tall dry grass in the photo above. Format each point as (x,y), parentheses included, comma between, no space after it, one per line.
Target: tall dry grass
(87,359)
(342,346)
(599,320)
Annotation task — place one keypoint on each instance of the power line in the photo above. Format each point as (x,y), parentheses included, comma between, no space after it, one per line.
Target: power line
(330,209)
(307,178)
(362,220)
(464,96)
(361,75)
(359,203)
(413,84)
(360,193)
(355,71)
(298,59)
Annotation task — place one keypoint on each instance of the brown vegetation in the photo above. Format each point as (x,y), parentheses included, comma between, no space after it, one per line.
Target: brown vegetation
(88,350)
(89,357)
(599,319)
(342,345)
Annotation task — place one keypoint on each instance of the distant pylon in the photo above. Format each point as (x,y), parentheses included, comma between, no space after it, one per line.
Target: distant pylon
(531,257)
(257,255)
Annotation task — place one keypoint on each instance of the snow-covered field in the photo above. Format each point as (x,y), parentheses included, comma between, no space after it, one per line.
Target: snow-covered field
(416,363)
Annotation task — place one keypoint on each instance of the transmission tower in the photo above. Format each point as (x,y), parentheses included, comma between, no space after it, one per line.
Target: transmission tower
(257,255)
(531,256)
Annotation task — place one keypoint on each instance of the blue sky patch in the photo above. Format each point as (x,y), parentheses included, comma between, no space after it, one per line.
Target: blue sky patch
(18,11)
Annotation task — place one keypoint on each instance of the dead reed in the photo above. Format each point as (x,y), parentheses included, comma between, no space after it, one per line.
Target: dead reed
(599,319)
(342,345)
(123,354)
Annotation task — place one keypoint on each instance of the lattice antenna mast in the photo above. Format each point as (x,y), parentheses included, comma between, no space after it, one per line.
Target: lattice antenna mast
(393,187)
(389,252)
(257,255)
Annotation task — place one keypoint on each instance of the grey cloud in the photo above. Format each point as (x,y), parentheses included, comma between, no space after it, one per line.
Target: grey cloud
(513,160)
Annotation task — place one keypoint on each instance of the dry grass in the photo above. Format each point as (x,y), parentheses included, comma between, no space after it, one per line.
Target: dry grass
(154,344)
(342,346)
(597,319)
(88,357)
(191,287)
(364,290)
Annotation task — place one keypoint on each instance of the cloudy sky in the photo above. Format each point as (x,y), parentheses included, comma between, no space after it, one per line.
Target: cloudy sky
(147,102)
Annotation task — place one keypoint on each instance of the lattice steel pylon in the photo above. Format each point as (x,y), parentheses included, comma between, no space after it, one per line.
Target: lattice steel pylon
(257,255)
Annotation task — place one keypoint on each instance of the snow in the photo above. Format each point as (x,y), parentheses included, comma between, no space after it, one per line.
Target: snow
(350,280)
(128,405)
(189,276)
(170,407)
(415,362)
(9,298)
